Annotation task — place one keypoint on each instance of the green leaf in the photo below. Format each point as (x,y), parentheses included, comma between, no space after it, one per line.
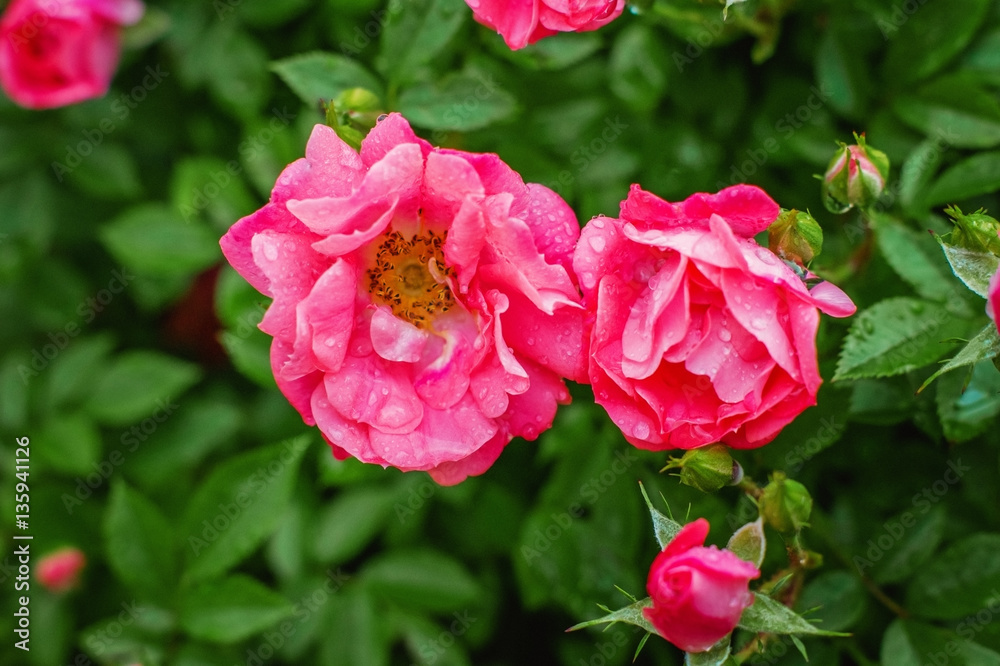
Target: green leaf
(139,543)
(70,378)
(749,543)
(238,506)
(155,240)
(664,528)
(918,536)
(231,609)
(838,597)
(108,172)
(140,385)
(895,336)
(914,643)
(714,656)
(976,175)
(841,69)
(636,72)
(460,102)
(422,579)
(414,33)
(955,110)
(930,37)
(917,173)
(350,522)
(251,354)
(318,75)
(973,267)
(355,631)
(771,617)
(70,444)
(983,347)
(916,258)
(968,405)
(558,51)
(962,580)
(631,614)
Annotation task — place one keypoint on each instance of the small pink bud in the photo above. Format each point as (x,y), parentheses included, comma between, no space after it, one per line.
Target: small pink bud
(856,177)
(59,571)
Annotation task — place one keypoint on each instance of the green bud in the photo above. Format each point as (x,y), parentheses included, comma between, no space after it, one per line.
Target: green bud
(707,468)
(795,236)
(975,231)
(785,504)
(856,177)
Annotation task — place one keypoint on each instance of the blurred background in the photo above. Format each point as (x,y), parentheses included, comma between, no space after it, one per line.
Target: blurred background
(131,358)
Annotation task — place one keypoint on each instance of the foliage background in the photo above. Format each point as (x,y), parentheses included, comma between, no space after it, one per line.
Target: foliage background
(150,407)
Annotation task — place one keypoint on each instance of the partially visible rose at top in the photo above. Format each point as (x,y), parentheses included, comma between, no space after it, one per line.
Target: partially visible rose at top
(523,22)
(59,52)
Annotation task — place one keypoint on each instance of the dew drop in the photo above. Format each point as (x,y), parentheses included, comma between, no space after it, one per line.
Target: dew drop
(641,430)
(725,335)
(597,243)
(270,252)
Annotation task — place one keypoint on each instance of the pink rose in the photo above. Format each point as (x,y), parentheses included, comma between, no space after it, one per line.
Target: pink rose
(58,52)
(523,22)
(59,571)
(424,307)
(699,335)
(993,298)
(698,593)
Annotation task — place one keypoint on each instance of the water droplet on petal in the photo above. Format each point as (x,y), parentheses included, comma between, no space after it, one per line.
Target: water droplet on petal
(641,430)
(597,243)
(270,252)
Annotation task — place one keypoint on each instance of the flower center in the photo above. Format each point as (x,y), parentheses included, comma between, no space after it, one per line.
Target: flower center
(409,276)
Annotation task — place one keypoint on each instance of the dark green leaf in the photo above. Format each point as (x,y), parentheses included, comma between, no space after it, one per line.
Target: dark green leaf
(140,385)
(461,102)
(985,346)
(916,535)
(318,75)
(154,240)
(913,643)
(979,174)
(771,617)
(838,597)
(414,33)
(139,542)
(969,405)
(916,258)
(350,522)
(231,609)
(962,580)
(422,579)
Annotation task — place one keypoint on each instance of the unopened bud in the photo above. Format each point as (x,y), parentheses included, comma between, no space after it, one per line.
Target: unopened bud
(785,504)
(795,236)
(59,571)
(856,177)
(975,231)
(707,468)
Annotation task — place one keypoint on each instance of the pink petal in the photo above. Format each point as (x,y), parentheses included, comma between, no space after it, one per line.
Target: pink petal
(396,340)
(747,209)
(390,132)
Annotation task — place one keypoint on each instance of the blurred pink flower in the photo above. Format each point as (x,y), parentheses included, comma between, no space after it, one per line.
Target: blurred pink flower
(523,22)
(59,571)
(993,298)
(698,593)
(424,307)
(59,52)
(698,334)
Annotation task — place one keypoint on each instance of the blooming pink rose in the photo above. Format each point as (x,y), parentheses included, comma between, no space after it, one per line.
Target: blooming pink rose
(425,310)
(59,571)
(58,52)
(698,593)
(699,335)
(523,22)
(993,298)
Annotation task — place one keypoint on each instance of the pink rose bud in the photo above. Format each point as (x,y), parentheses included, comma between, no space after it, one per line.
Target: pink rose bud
(59,52)
(698,593)
(856,177)
(524,22)
(59,571)
(699,335)
(424,307)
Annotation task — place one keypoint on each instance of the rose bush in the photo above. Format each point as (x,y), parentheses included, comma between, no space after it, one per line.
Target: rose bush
(698,334)
(698,593)
(58,52)
(523,22)
(424,306)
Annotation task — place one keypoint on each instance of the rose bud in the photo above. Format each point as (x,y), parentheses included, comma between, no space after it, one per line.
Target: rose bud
(708,468)
(59,571)
(785,504)
(856,177)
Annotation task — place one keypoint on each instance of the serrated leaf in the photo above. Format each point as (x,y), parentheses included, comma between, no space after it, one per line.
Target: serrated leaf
(232,609)
(985,346)
(664,528)
(838,597)
(748,543)
(915,258)
(974,268)
(319,75)
(139,385)
(415,32)
(960,581)
(954,110)
(895,336)
(771,617)
(714,656)
(238,506)
(460,102)
(918,541)
(913,643)
(139,543)
(968,403)
(979,174)
(631,614)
